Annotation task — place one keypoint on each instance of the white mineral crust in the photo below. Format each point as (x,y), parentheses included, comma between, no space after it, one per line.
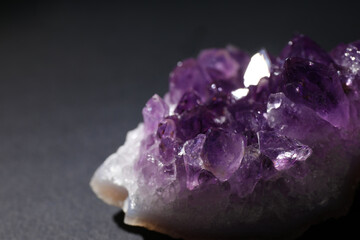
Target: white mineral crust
(114,181)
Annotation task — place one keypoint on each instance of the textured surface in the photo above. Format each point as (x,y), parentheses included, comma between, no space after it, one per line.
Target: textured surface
(260,154)
(67,81)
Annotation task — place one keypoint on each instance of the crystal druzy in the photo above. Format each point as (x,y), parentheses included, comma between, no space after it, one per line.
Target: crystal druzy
(242,146)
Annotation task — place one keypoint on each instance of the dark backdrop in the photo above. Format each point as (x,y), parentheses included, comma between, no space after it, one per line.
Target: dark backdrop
(73,81)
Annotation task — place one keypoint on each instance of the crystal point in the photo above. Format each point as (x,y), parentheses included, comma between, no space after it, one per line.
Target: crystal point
(223,159)
(318,87)
(303,47)
(283,151)
(219,64)
(187,76)
(192,160)
(153,112)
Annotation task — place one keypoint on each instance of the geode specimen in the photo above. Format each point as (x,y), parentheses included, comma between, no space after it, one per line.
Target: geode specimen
(253,147)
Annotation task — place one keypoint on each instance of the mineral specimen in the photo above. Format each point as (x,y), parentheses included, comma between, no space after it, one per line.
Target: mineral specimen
(242,146)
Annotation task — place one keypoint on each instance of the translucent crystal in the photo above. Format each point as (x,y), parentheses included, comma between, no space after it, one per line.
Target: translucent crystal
(223,159)
(153,112)
(318,87)
(283,151)
(187,76)
(348,56)
(303,47)
(192,160)
(295,120)
(218,63)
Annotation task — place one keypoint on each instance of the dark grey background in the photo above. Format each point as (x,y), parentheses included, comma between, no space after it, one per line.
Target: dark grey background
(73,81)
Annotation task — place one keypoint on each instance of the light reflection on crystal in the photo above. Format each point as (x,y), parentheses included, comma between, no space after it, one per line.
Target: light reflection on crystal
(258,68)
(240,93)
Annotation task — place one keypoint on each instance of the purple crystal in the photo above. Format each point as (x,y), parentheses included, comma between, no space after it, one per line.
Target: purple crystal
(249,123)
(283,151)
(221,87)
(188,101)
(167,128)
(292,120)
(187,76)
(223,159)
(202,118)
(189,125)
(253,168)
(153,112)
(303,47)
(241,57)
(318,87)
(167,150)
(348,57)
(192,160)
(149,156)
(218,64)
(216,120)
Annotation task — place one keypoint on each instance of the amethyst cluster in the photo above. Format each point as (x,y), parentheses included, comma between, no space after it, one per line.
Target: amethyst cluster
(242,143)
(216,115)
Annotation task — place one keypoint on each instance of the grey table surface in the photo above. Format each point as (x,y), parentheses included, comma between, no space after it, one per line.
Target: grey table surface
(75,76)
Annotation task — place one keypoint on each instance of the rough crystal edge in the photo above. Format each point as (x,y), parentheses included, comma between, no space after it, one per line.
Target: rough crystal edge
(343,208)
(108,181)
(108,185)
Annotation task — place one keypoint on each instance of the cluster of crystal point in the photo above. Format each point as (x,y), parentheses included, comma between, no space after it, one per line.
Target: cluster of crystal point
(241,143)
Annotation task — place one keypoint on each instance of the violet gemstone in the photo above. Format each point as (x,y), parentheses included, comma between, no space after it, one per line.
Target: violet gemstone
(190,124)
(223,159)
(153,112)
(192,160)
(318,87)
(348,57)
(303,47)
(251,120)
(254,167)
(292,120)
(221,88)
(283,151)
(218,64)
(188,76)
(242,59)
(166,128)
(167,150)
(242,147)
(168,145)
(188,101)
